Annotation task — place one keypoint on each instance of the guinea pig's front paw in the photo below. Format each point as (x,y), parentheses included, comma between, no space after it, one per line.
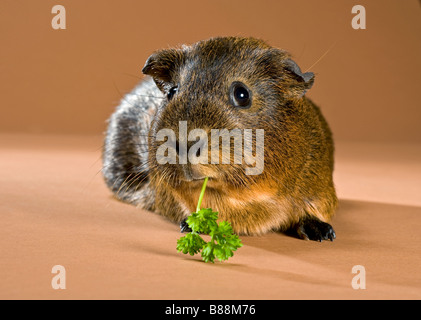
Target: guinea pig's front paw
(311,228)
(184,227)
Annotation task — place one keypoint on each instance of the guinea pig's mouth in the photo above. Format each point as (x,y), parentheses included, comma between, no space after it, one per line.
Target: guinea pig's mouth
(190,174)
(196,184)
(192,179)
(195,179)
(195,173)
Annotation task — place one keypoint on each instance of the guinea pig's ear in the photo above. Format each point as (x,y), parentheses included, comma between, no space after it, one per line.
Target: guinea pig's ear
(301,81)
(162,65)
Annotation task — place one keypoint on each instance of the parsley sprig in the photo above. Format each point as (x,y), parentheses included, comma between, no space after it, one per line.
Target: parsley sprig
(223,242)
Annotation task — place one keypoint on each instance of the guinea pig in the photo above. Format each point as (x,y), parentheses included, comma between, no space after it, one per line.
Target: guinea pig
(230,83)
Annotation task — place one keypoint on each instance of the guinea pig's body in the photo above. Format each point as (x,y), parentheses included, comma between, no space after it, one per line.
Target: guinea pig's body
(226,83)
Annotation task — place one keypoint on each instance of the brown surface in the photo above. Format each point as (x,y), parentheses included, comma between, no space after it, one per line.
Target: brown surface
(55,209)
(69,81)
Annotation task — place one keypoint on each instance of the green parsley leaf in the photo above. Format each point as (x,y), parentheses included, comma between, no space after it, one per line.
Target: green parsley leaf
(223,242)
(191,243)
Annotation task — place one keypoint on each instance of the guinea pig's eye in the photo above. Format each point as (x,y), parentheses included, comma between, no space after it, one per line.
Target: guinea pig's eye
(172,92)
(240,95)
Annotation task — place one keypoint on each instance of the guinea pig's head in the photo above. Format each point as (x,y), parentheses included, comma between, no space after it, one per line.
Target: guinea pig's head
(215,87)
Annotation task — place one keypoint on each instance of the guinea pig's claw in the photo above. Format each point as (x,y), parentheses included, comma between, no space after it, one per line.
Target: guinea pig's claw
(311,228)
(184,227)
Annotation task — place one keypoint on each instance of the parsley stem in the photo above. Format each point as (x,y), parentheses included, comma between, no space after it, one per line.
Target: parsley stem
(202,193)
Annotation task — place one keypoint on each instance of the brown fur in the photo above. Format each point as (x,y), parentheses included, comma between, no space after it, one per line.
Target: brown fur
(297,177)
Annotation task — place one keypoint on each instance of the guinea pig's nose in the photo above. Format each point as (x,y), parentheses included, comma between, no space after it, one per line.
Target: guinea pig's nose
(198,152)
(177,148)
(199,144)
(193,172)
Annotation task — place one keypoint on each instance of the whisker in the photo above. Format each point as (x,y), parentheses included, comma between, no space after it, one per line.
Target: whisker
(324,54)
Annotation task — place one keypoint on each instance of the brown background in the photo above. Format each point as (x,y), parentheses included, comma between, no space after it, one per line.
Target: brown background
(58,87)
(69,81)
